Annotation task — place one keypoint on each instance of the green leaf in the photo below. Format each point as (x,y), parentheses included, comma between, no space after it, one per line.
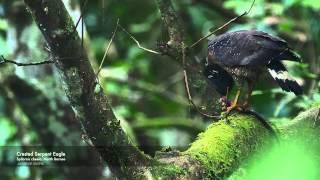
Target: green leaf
(7,130)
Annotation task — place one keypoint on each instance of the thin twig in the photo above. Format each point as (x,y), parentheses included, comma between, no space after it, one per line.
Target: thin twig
(190,97)
(82,27)
(186,83)
(137,42)
(224,25)
(108,47)
(4,60)
(81,15)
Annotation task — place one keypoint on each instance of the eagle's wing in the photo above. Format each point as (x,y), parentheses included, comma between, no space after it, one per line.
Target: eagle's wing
(250,48)
(220,79)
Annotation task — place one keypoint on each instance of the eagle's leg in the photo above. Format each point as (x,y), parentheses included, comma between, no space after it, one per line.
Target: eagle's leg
(224,101)
(245,105)
(234,104)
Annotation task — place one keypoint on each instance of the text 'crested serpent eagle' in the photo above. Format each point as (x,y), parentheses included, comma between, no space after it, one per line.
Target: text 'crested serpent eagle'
(243,55)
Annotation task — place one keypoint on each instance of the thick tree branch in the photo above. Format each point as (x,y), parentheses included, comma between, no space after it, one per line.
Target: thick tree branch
(86,96)
(171,20)
(224,146)
(221,148)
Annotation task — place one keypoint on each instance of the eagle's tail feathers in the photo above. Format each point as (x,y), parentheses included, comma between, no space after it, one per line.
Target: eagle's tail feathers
(281,75)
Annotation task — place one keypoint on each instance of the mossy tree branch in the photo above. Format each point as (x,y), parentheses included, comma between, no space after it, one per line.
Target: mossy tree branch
(219,150)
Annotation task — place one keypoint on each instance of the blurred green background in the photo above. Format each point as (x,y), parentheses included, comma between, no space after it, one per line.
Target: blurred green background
(146,90)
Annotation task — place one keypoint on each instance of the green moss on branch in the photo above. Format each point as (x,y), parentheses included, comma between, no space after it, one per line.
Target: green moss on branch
(220,150)
(222,147)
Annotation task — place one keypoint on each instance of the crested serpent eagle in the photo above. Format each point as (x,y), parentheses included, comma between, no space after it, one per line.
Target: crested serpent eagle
(242,56)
